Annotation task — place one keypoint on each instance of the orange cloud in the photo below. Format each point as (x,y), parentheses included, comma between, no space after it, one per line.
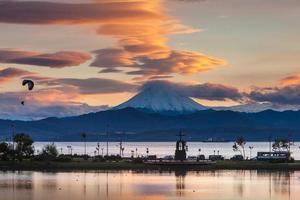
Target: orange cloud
(39,12)
(55,60)
(91,85)
(11,73)
(182,62)
(141,28)
(291,80)
(112,58)
(142,47)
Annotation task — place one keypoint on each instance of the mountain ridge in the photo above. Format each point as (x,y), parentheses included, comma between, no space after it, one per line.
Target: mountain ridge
(135,125)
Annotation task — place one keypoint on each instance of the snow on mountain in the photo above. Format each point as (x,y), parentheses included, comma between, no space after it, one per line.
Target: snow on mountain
(162,98)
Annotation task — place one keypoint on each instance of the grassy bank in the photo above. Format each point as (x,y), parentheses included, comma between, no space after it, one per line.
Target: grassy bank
(122,165)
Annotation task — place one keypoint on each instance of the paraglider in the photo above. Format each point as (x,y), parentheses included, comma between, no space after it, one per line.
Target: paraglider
(29,83)
(30,86)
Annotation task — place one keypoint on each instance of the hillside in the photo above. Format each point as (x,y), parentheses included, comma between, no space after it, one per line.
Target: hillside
(134,124)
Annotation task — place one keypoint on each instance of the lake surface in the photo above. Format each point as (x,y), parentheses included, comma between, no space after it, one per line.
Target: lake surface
(162,149)
(127,185)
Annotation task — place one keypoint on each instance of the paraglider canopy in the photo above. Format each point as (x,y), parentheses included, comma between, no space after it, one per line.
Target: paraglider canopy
(29,83)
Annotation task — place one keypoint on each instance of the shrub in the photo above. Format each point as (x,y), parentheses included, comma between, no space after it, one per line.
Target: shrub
(49,152)
(5,151)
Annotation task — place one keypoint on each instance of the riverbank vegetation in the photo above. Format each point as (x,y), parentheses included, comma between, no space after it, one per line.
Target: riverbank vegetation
(19,154)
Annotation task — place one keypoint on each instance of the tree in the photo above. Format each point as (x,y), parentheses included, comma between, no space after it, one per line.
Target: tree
(281,145)
(24,148)
(49,152)
(239,145)
(5,151)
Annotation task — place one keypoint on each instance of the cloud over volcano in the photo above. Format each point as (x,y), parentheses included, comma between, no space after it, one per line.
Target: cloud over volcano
(140,28)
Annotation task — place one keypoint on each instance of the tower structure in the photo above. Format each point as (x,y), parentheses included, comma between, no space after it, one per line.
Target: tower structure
(180,152)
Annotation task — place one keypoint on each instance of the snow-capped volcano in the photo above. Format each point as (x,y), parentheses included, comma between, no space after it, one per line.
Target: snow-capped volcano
(162,97)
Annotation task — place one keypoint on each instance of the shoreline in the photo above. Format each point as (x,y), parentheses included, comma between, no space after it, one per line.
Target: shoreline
(122,165)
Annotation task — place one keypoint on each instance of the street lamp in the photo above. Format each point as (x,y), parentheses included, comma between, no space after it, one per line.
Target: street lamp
(69,149)
(147,151)
(98,149)
(123,151)
(251,147)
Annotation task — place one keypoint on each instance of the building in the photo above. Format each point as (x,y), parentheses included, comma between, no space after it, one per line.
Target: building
(181,147)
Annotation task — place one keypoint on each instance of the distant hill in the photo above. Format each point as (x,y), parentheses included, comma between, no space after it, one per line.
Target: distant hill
(136,125)
(258,107)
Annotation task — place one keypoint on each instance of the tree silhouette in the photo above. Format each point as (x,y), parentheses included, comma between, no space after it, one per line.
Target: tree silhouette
(281,145)
(5,150)
(24,148)
(239,145)
(49,152)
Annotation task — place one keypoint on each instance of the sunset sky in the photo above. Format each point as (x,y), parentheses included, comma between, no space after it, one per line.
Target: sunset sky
(89,55)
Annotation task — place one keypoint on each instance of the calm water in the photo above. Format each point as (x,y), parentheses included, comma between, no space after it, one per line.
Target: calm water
(126,185)
(166,148)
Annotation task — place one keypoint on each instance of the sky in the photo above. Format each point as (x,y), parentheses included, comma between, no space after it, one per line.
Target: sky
(89,55)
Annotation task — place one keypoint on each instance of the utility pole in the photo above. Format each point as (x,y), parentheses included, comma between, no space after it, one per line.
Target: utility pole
(107,140)
(251,147)
(121,147)
(270,145)
(98,148)
(13,141)
(69,149)
(290,136)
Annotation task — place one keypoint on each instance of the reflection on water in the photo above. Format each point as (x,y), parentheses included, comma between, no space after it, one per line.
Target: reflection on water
(180,184)
(127,185)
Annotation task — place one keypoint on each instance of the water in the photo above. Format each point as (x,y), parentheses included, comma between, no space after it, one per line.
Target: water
(162,149)
(127,185)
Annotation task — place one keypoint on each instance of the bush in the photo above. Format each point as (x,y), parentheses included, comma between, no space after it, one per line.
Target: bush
(5,151)
(137,160)
(113,158)
(64,158)
(49,153)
